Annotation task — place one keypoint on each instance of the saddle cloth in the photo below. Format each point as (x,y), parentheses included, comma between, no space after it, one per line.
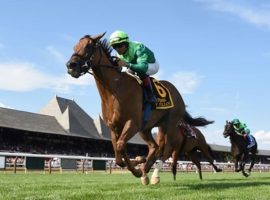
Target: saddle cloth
(164,99)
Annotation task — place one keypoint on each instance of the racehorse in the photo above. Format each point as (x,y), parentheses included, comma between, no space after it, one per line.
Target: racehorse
(239,149)
(189,146)
(122,105)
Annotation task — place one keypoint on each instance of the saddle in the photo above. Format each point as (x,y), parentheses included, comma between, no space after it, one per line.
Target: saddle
(189,132)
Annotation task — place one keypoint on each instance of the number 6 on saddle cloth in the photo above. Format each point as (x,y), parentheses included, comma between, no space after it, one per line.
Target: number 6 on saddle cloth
(163,96)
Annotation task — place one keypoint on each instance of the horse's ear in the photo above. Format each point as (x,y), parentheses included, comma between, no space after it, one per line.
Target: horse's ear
(99,36)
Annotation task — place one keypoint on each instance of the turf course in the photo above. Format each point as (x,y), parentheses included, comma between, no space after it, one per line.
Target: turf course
(100,185)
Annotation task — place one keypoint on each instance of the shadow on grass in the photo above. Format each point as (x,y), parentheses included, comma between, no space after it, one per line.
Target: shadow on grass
(224,184)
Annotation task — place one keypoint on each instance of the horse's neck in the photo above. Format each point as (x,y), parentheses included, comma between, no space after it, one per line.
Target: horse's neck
(106,77)
(238,140)
(107,80)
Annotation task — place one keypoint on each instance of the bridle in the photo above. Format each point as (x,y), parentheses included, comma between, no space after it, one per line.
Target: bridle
(88,65)
(228,129)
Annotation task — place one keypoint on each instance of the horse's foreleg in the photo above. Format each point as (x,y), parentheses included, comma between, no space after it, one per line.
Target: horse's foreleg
(236,169)
(243,163)
(152,150)
(118,156)
(129,130)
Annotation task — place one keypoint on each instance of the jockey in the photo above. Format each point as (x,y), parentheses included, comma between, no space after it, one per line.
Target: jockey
(242,129)
(136,57)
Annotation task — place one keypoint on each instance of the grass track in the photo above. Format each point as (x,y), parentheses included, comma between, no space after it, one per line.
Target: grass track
(124,186)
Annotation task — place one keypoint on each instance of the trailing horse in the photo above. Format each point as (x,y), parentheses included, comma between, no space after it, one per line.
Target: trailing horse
(122,104)
(239,149)
(189,146)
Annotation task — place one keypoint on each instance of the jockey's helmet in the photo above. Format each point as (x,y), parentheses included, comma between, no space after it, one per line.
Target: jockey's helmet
(236,121)
(118,37)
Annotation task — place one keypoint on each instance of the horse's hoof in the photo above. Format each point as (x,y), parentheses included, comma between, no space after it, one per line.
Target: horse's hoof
(237,170)
(145,180)
(137,173)
(140,159)
(155,180)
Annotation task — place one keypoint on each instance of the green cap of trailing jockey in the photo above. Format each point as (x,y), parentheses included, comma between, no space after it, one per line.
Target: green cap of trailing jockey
(247,131)
(235,121)
(118,37)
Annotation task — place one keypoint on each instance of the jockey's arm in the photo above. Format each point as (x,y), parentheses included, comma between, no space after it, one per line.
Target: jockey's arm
(141,64)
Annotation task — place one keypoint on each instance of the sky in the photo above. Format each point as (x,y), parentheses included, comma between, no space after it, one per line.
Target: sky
(216,52)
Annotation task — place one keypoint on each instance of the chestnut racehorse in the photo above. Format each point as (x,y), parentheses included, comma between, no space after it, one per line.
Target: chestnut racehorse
(122,105)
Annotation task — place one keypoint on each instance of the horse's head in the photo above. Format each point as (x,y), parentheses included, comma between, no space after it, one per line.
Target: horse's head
(81,60)
(228,129)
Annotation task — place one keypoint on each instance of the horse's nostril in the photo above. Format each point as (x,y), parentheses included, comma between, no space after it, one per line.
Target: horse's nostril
(71,65)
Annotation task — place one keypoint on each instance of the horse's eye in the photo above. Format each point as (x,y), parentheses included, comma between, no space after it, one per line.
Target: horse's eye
(88,46)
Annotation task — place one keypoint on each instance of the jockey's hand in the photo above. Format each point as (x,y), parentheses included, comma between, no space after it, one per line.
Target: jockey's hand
(122,63)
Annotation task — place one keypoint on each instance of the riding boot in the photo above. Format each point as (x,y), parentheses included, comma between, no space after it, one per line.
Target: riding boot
(149,101)
(147,87)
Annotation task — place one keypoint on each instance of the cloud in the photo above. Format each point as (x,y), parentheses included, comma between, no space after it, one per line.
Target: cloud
(262,136)
(57,54)
(22,77)
(4,105)
(186,82)
(217,110)
(259,16)
(68,38)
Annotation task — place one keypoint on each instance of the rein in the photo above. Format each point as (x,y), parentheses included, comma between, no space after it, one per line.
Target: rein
(89,63)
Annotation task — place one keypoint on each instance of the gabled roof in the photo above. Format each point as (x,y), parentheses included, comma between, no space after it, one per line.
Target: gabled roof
(71,117)
(27,121)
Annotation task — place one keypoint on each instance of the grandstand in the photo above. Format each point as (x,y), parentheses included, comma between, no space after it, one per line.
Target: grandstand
(63,127)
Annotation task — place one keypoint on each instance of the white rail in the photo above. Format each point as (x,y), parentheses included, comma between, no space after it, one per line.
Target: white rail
(54,156)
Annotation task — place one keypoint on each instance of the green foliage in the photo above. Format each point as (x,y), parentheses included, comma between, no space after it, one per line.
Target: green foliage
(99,186)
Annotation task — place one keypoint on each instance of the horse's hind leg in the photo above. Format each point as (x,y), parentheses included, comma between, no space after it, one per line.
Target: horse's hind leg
(252,162)
(206,151)
(174,164)
(194,159)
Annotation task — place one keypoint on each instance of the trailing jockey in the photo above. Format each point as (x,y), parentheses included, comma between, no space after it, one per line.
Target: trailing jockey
(241,129)
(139,59)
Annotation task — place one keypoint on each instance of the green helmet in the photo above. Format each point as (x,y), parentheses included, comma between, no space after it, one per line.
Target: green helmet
(247,131)
(118,37)
(236,121)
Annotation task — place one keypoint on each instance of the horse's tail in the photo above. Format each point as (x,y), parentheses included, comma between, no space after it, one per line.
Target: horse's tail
(199,121)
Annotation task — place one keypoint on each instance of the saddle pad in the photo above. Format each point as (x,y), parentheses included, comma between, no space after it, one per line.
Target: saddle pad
(164,99)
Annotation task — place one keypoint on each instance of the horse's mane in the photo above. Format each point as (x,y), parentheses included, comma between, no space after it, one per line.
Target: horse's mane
(106,47)
(108,50)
